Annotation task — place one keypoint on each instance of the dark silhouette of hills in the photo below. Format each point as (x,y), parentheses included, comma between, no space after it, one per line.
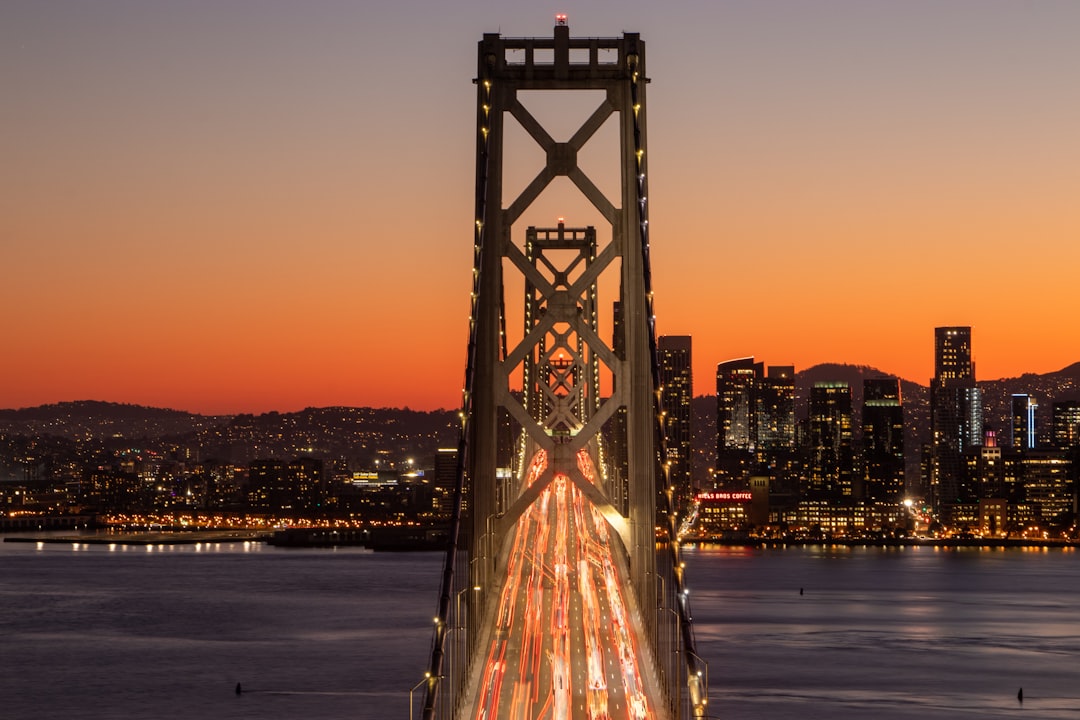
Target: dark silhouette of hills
(1072,371)
(364,433)
(94,419)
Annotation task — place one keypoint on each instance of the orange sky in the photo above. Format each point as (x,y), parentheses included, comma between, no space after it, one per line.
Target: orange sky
(259,206)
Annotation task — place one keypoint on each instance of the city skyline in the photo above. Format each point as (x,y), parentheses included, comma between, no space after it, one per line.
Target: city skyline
(212,207)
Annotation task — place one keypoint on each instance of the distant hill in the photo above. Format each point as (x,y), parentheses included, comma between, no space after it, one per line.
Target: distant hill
(94,419)
(1072,371)
(1047,388)
(366,432)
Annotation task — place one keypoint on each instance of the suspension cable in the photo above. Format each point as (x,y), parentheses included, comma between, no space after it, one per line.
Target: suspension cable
(435,669)
(698,694)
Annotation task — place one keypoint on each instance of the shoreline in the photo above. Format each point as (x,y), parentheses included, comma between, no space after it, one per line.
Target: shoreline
(192,537)
(989,543)
(413,542)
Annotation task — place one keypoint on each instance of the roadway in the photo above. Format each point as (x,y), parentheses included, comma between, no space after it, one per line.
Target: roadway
(563,644)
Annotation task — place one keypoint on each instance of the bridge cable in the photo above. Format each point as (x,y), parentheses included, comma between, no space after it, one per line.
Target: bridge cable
(698,694)
(435,669)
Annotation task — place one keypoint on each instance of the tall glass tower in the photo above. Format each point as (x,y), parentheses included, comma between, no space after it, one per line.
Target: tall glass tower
(956,416)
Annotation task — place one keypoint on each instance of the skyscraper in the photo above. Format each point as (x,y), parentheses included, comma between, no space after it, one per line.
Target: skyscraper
(1023,421)
(831,463)
(883,440)
(776,410)
(677,396)
(737,384)
(952,353)
(1067,425)
(444,482)
(955,415)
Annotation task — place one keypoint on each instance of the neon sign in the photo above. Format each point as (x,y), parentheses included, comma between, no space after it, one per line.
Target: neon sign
(741,496)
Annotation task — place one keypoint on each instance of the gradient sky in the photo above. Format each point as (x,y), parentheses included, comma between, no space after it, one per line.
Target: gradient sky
(241,206)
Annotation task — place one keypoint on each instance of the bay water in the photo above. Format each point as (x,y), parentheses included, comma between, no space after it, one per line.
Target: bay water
(162,632)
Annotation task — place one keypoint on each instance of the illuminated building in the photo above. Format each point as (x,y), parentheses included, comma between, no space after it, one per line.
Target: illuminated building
(443,485)
(1023,421)
(823,518)
(985,475)
(299,485)
(723,512)
(955,415)
(306,485)
(989,485)
(1066,422)
(737,384)
(266,484)
(830,468)
(883,441)
(676,379)
(776,410)
(1048,485)
(993,517)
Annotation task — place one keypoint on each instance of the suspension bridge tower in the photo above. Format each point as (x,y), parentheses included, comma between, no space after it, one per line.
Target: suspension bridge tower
(561,479)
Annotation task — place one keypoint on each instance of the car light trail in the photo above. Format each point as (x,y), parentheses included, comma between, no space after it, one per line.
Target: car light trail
(564,644)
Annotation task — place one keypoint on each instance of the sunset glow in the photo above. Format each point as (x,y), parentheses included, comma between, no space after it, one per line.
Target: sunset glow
(245,207)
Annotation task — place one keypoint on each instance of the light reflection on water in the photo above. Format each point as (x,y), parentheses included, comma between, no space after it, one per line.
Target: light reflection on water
(166,631)
(888,632)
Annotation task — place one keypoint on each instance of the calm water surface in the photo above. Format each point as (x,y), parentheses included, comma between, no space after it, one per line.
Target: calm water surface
(889,633)
(92,633)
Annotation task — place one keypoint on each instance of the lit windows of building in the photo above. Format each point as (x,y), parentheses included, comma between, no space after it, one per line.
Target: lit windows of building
(831,462)
(956,415)
(676,377)
(1023,421)
(1066,423)
(883,440)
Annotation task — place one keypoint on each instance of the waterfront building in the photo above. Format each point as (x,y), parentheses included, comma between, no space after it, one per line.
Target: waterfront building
(306,484)
(1049,487)
(755,424)
(883,441)
(737,384)
(955,416)
(985,471)
(723,513)
(266,484)
(776,458)
(830,467)
(676,379)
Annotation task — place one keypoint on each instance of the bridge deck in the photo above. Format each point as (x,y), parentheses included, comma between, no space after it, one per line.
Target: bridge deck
(563,639)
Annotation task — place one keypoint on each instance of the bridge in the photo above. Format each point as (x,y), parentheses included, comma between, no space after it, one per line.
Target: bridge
(563,593)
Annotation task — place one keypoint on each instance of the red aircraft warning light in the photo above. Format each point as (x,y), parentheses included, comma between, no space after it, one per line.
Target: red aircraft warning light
(560,19)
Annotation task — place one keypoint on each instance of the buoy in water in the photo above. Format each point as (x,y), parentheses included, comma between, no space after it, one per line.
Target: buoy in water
(1020,695)
(239,690)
